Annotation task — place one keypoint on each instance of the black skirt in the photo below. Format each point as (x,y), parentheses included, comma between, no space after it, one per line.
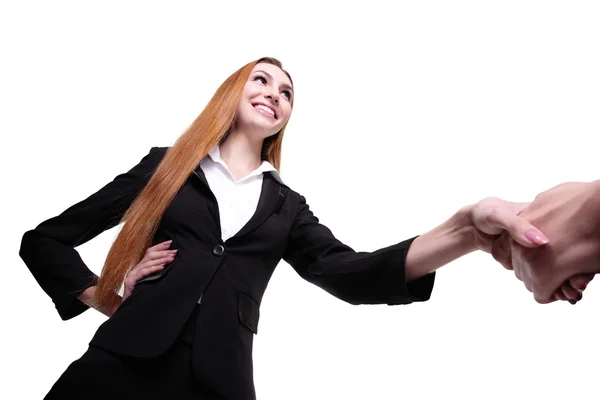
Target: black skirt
(100,374)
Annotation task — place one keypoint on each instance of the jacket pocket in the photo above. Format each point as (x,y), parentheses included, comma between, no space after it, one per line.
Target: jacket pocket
(248,312)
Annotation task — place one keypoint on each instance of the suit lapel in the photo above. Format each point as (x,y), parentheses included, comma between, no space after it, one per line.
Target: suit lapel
(200,174)
(213,205)
(271,197)
(268,200)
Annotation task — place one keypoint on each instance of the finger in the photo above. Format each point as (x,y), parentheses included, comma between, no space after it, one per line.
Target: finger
(160,246)
(517,262)
(569,292)
(150,270)
(501,250)
(158,261)
(136,272)
(152,262)
(162,260)
(580,282)
(517,272)
(558,295)
(576,300)
(544,300)
(156,255)
(134,276)
(519,228)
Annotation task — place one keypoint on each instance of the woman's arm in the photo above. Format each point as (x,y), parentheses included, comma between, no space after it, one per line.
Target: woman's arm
(87,297)
(154,260)
(49,249)
(441,245)
(404,272)
(473,227)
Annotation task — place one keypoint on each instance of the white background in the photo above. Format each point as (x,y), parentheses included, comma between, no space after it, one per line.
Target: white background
(405,110)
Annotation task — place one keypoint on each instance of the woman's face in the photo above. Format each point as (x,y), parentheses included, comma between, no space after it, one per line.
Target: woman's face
(266,103)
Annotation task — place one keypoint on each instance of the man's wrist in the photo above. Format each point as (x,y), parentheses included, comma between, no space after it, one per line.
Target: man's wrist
(594,200)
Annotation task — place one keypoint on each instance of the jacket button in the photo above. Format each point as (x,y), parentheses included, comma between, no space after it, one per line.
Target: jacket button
(218,250)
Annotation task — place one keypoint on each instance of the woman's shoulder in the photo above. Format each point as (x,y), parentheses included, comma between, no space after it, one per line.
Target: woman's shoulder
(159,150)
(154,156)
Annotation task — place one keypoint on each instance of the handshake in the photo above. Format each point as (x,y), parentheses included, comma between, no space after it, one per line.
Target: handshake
(569,216)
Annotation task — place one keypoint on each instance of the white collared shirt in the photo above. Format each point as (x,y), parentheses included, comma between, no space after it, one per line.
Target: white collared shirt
(237,199)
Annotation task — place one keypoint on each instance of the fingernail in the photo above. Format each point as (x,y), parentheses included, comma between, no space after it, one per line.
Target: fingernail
(537,237)
(573,302)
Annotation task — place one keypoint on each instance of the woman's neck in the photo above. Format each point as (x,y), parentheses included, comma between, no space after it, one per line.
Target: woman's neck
(241,155)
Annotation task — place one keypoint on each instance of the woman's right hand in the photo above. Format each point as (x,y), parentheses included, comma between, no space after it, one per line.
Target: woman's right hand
(154,260)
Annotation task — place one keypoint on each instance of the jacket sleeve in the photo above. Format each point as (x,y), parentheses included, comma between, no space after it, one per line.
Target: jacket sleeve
(49,249)
(356,277)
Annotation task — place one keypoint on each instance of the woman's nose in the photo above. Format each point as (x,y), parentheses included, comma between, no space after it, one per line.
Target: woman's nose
(272,96)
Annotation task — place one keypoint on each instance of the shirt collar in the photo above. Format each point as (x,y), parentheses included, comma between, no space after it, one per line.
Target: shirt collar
(215,154)
(265,166)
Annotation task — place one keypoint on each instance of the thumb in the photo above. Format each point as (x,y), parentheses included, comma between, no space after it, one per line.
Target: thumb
(520,229)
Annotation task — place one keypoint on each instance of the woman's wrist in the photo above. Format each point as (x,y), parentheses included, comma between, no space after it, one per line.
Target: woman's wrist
(87,297)
(452,239)
(465,228)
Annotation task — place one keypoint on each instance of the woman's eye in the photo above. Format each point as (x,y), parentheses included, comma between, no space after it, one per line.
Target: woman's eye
(261,80)
(287,94)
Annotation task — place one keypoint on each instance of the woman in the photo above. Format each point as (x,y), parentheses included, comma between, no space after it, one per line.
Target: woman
(185,323)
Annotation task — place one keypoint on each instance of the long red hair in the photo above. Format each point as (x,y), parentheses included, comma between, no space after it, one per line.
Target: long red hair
(143,216)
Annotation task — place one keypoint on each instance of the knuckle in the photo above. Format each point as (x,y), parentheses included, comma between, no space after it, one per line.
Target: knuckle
(539,196)
(491,216)
(518,274)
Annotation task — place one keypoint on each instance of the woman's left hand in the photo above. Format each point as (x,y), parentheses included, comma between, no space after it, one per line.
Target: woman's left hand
(492,216)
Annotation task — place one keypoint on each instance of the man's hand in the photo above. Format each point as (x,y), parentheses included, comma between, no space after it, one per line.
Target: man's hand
(569,215)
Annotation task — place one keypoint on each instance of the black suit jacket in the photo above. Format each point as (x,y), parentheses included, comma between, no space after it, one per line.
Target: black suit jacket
(230,276)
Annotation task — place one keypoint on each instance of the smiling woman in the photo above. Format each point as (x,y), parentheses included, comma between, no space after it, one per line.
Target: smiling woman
(259,97)
(206,222)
